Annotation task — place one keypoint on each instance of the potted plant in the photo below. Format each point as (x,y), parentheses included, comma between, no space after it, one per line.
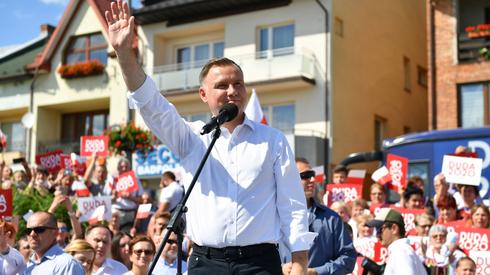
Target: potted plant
(480,30)
(81,69)
(125,139)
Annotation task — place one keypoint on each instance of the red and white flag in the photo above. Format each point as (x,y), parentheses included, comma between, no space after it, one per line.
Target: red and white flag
(254,110)
(143,211)
(356,176)
(319,174)
(381,176)
(80,188)
(97,215)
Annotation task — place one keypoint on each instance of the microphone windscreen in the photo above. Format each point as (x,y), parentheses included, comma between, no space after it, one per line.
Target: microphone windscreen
(230,110)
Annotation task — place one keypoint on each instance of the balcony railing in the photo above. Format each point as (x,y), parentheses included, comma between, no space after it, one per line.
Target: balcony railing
(257,67)
(469,48)
(67,147)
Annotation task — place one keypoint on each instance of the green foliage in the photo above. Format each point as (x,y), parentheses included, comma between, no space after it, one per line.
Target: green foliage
(128,138)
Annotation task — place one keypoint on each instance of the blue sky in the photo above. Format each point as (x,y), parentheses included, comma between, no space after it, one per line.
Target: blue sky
(21,19)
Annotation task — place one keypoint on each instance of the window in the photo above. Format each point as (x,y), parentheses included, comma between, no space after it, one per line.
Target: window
(87,47)
(281,117)
(406,73)
(379,132)
(276,41)
(338,26)
(473,105)
(83,124)
(195,56)
(422,76)
(16,136)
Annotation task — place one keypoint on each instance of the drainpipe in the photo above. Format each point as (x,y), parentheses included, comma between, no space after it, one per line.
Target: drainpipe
(31,110)
(433,80)
(326,141)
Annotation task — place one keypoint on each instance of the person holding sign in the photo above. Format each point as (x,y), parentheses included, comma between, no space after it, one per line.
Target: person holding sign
(248,196)
(390,230)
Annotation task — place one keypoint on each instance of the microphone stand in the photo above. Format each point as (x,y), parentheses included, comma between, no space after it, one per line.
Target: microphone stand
(176,223)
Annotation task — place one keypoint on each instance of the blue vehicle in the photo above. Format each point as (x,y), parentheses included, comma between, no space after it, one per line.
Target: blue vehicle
(426,150)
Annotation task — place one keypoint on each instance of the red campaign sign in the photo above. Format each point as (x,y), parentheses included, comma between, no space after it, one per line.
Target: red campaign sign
(50,160)
(6,202)
(451,226)
(346,192)
(473,238)
(380,253)
(97,144)
(126,182)
(65,162)
(358,270)
(409,216)
(365,246)
(397,166)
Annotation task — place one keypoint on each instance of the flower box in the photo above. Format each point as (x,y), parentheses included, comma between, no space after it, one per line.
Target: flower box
(127,138)
(480,30)
(81,69)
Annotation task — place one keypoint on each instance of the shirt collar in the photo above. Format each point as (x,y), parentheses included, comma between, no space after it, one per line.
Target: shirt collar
(52,252)
(249,123)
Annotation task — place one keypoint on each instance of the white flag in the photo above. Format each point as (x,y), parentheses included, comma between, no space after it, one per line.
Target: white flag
(253,110)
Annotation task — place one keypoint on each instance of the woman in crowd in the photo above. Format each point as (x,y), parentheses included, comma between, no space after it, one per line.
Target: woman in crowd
(479,217)
(448,210)
(377,194)
(438,256)
(83,252)
(141,249)
(120,248)
(358,208)
(423,223)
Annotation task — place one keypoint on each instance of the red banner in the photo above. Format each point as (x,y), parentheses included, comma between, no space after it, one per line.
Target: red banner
(97,144)
(473,238)
(51,160)
(409,216)
(380,253)
(397,166)
(126,183)
(65,162)
(6,203)
(346,192)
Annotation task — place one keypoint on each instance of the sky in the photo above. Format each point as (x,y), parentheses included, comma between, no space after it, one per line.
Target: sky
(21,19)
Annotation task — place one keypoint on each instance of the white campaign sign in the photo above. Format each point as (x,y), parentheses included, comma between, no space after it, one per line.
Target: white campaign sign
(87,206)
(462,170)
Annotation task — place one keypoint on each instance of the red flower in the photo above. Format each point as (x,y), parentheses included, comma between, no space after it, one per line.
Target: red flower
(118,143)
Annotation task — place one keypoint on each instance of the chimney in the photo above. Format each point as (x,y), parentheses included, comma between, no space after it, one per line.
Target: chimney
(46,29)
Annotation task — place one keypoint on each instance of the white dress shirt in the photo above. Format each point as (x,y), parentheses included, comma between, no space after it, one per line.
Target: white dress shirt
(402,259)
(111,267)
(12,262)
(172,194)
(249,191)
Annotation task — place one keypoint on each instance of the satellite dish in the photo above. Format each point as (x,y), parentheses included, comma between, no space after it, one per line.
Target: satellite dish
(28,120)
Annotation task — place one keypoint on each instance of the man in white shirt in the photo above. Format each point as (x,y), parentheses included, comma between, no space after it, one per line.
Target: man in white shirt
(248,195)
(171,192)
(167,263)
(390,229)
(100,238)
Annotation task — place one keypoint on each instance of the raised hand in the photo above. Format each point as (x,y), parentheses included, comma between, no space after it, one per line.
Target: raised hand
(121,26)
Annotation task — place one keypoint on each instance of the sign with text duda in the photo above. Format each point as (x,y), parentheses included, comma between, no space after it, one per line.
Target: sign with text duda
(346,192)
(482,260)
(94,144)
(462,170)
(126,183)
(87,206)
(6,203)
(51,160)
(397,166)
(473,238)
(409,216)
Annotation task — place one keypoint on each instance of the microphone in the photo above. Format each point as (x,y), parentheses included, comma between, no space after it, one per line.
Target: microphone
(227,113)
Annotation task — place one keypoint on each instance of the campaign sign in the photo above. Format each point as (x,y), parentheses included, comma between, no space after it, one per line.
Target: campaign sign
(94,144)
(65,162)
(5,202)
(346,192)
(380,253)
(462,170)
(155,162)
(87,206)
(365,246)
(51,160)
(126,183)
(397,166)
(473,238)
(482,260)
(409,216)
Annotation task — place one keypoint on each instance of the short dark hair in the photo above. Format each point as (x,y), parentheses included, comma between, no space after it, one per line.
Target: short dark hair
(445,202)
(169,175)
(302,160)
(115,252)
(341,169)
(401,228)
(218,62)
(141,238)
(98,225)
(412,190)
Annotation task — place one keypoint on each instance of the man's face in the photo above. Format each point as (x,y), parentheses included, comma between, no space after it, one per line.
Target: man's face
(63,234)
(468,192)
(42,235)
(377,196)
(223,85)
(100,174)
(386,234)
(100,239)
(339,177)
(466,267)
(170,249)
(416,201)
(160,225)
(308,183)
(423,227)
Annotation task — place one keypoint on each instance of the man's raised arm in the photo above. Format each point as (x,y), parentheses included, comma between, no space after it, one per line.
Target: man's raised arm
(121,31)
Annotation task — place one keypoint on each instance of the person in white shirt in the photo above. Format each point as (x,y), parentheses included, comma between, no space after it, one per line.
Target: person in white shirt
(11,261)
(171,192)
(390,229)
(248,195)
(100,237)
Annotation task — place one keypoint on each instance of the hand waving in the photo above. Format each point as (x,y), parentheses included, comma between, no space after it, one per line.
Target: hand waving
(121,26)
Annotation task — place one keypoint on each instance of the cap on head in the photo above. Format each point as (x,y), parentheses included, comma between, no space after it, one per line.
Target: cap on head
(386,215)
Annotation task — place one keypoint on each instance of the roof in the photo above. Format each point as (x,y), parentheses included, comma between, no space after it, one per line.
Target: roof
(184,11)
(43,60)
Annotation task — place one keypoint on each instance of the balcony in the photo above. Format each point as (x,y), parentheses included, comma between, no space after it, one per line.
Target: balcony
(469,48)
(66,147)
(268,66)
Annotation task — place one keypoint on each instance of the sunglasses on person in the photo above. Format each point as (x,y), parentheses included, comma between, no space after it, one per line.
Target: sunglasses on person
(171,242)
(39,229)
(140,251)
(306,175)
